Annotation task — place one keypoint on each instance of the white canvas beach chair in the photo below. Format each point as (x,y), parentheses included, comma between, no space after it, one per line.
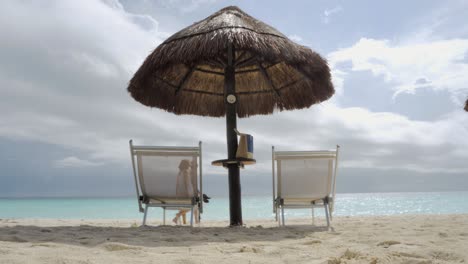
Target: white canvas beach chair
(168,177)
(304,179)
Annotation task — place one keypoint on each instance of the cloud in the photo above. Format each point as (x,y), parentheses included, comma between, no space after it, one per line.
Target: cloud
(329,12)
(74,162)
(63,75)
(372,140)
(438,64)
(187,6)
(144,21)
(295,38)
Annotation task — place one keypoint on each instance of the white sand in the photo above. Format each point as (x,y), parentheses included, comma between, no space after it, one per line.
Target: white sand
(389,239)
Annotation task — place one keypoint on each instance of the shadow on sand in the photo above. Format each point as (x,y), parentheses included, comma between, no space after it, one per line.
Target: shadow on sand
(152,236)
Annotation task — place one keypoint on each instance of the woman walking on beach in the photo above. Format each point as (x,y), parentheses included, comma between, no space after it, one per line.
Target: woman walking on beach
(186,186)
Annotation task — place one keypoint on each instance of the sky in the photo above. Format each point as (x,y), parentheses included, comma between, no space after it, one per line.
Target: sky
(400,70)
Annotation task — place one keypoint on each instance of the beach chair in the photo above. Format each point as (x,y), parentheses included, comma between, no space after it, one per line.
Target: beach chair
(304,179)
(168,177)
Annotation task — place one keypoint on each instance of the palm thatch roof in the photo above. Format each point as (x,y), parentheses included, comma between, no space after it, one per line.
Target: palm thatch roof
(185,74)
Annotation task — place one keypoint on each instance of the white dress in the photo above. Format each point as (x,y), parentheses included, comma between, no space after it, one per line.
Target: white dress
(184,186)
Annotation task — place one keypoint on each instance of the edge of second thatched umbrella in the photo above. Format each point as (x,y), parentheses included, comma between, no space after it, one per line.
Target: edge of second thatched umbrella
(206,40)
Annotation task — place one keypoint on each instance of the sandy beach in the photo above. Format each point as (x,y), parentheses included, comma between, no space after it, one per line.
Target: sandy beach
(383,239)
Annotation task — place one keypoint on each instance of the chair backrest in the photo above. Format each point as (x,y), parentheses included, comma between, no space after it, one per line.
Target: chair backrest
(304,174)
(167,172)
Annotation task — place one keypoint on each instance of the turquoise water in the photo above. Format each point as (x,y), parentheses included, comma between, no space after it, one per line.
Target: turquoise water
(253,207)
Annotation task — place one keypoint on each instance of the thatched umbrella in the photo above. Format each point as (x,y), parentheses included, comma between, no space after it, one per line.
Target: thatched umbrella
(231,64)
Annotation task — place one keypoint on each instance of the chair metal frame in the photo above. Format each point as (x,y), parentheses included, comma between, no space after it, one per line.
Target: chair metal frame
(150,201)
(327,202)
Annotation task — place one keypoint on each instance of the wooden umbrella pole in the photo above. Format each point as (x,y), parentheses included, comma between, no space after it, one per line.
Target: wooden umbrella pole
(235,205)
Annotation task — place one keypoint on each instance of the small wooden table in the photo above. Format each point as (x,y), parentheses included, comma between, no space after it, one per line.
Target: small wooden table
(239,161)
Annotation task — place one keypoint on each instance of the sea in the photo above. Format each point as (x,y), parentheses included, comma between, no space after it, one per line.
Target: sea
(253,207)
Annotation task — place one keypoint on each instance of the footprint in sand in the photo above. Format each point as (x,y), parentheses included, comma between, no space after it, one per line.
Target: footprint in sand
(118,247)
(442,234)
(408,255)
(312,242)
(44,245)
(446,256)
(248,249)
(388,243)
